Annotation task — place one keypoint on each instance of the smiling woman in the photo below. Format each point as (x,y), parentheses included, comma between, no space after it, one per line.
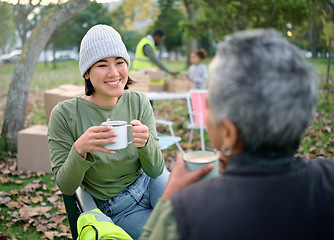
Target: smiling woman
(131,179)
(109,76)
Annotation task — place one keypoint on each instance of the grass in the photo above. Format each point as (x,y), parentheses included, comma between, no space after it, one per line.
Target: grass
(319,139)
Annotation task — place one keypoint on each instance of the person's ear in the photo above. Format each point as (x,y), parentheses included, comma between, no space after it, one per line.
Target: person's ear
(230,134)
(86,76)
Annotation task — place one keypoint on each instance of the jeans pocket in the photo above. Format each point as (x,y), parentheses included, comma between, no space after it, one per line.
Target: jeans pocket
(145,201)
(104,207)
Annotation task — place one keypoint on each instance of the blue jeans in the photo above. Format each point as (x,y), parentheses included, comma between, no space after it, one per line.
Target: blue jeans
(131,208)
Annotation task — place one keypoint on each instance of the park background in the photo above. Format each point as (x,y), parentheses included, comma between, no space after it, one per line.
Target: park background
(30,204)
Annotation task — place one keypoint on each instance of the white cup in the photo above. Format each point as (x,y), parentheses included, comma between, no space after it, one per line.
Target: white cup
(121,128)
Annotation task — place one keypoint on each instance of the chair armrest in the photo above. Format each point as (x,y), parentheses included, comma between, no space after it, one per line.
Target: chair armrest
(85,200)
(160,121)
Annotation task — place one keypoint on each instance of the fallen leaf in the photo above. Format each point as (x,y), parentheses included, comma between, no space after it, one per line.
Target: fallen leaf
(26,212)
(50,235)
(5,179)
(13,204)
(328,129)
(37,199)
(18,182)
(52,226)
(40,228)
(63,228)
(52,200)
(4,200)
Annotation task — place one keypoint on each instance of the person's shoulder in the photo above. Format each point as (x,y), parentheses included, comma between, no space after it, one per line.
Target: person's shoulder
(322,161)
(203,65)
(200,188)
(66,105)
(320,167)
(135,95)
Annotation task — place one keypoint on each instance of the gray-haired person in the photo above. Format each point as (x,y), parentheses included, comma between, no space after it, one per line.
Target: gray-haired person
(262,97)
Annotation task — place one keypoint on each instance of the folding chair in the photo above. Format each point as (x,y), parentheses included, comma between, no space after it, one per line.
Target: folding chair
(196,101)
(165,141)
(81,201)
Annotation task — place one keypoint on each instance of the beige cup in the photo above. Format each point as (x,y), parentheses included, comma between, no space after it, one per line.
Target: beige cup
(121,128)
(197,159)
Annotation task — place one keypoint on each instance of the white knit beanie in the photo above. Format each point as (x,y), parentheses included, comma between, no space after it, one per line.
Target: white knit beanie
(101,41)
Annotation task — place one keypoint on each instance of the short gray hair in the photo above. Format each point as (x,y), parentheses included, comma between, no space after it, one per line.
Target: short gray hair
(265,86)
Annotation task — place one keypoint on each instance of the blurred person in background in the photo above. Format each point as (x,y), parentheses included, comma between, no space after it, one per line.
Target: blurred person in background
(197,72)
(145,55)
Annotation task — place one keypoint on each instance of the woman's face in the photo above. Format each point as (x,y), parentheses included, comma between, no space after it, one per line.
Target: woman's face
(109,76)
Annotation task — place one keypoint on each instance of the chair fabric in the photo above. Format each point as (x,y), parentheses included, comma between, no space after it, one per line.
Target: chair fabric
(196,101)
(165,141)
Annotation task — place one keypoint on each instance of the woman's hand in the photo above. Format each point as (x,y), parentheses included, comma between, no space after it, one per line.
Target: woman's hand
(181,177)
(139,134)
(92,139)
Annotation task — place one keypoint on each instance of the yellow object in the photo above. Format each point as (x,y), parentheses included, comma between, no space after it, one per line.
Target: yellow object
(142,61)
(95,225)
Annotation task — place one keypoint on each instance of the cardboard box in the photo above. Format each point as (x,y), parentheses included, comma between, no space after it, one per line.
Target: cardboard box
(33,149)
(53,96)
(141,82)
(177,85)
(156,75)
(157,80)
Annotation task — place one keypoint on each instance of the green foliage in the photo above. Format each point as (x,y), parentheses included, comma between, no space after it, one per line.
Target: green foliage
(70,34)
(129,37)
(224,17)
(7,27)
(169,21)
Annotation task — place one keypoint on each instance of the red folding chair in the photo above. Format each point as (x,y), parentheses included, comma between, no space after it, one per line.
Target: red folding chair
(196,101)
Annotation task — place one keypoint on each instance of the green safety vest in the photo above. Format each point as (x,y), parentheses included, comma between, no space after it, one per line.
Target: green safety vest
(142,61)
(94,225)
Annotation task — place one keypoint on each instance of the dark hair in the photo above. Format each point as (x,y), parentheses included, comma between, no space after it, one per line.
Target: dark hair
(201,53)
(158,32)
(89,88)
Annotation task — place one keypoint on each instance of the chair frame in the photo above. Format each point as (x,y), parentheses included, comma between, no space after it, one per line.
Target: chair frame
(81,201)
(192,124)
(172,139)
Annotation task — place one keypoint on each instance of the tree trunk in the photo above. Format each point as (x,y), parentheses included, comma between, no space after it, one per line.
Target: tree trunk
(312,40)
(329,62)
(14,116)
(191,45)
(54,61)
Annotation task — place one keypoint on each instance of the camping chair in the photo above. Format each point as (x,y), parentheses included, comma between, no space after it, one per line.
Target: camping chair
(165,141)
(196,101)
(81,201)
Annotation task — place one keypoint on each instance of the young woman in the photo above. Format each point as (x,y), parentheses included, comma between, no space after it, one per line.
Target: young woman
(125,183)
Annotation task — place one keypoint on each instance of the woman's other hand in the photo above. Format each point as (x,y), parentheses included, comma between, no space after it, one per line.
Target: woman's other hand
(139,134)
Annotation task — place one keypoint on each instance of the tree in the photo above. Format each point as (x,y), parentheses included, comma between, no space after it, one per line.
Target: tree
(191,41)
(21,13)
(317,11)
(14,116)
(129,37)
(69,35)
(225,16)
(7,27)
(136,11)
(169,21)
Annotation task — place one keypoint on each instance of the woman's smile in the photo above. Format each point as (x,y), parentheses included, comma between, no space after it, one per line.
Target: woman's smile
(113,83)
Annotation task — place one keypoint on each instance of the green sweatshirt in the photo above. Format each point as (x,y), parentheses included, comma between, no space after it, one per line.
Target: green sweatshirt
(103,175)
